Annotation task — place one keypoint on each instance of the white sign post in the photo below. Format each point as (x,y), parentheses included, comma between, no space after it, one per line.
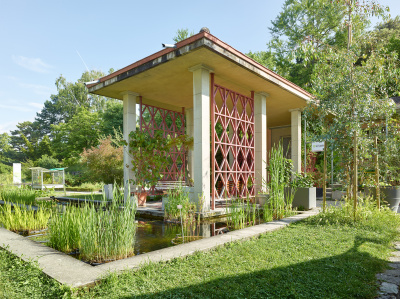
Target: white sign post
(317,146)
(17,174)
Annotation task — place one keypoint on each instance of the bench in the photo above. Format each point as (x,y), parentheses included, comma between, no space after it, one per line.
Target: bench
(164,186)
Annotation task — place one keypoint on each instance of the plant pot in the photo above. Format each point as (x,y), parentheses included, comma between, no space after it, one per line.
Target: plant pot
(141,197)
(305,197)
(319,192)
(391,195)
(337,194)
(261,199)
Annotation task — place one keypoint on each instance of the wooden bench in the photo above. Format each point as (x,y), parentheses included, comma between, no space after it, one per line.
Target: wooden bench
(164,186)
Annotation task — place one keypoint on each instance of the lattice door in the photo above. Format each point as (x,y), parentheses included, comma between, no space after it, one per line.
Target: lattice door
(172,123)
(232,143)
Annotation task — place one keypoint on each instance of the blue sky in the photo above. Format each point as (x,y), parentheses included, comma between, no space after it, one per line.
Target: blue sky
(40,40)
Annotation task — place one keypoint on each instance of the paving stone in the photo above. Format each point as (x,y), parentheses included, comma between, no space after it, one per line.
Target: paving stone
(394,265)
(389,288)
(388,278)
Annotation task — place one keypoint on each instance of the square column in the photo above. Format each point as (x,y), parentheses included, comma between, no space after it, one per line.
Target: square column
(260,139)
(201,136)
(129,124)
(189,132)
(296,139)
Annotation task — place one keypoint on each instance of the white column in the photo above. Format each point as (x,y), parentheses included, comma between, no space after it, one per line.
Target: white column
(260,138)
(189,132)
(296,139)
(129,125)
(201,122)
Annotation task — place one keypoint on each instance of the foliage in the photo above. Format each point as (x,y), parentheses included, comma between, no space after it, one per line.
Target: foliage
(23,195)
(242,213)
(101,234)
(148,154)
(267,59)
(105,162)
(179,196)
(23,218)
(80,132)
(280,172)
(302,180)
(182,34)
(111,118)
(48,162)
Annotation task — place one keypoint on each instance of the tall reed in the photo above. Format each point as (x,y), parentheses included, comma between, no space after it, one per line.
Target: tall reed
(179,196)
(280,172)
(23,195)
(242,213)
(103,233)
(24,218)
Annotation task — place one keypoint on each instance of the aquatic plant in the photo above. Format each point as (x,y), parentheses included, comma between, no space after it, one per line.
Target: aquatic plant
(19,218)
(24,195)
(179,196)
(242,213)
(99,233)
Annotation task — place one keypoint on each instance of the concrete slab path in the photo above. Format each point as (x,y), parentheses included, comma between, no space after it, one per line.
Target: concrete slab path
(74,273)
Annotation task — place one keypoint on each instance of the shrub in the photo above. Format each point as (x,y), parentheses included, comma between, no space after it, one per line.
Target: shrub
(105,162)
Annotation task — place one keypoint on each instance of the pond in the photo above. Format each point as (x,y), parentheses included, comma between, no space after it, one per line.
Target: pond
(156,234)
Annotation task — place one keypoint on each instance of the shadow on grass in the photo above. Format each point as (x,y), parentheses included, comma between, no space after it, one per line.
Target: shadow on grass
(349,275)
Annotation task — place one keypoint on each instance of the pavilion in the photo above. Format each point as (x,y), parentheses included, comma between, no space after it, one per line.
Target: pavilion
(201,81)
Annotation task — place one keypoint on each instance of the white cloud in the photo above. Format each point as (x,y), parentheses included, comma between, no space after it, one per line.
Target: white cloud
(38,89)
(15,108)
(33,64)
(36,105)
(8,126)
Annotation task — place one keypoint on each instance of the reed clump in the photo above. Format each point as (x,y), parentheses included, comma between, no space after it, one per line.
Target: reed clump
(176,197)
(242,213)
(24,218)
(23,195)
(100,234)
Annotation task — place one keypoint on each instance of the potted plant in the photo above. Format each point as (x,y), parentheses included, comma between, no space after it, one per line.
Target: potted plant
(148,154)
(305,192)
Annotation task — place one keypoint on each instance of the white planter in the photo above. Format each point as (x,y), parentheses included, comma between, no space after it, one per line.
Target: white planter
(306,198)
(261,199)
(337,195)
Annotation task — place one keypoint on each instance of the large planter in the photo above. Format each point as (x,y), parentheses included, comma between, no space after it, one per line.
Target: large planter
(141,197)
(319,192)
(305,198)
(390,195)
(261,199)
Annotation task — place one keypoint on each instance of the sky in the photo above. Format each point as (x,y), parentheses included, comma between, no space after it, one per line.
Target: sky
(41,40)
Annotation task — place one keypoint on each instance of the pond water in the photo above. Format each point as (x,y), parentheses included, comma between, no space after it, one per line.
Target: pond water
(156,234)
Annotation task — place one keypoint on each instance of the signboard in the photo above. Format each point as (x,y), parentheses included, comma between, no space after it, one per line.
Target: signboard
(317,146)
(17,173)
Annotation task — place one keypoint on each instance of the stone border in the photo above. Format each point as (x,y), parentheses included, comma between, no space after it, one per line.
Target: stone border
(74,273)
(390,279)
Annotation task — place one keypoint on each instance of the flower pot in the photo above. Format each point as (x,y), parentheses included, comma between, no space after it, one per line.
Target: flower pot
(141,196)
(305,197)
(319,192)
(391,195)
(261,199)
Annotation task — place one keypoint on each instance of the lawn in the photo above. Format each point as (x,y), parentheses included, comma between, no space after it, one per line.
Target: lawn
(325,256)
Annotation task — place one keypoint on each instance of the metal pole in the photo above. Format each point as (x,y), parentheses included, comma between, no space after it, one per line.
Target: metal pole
(305,145)
(355,178)
(332,168)
(378,200)
(324,181)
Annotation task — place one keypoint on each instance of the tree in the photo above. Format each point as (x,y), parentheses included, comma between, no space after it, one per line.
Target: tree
(105,162)
(112,118)
(80,132)
(26,134)
(182,34)
(356,92)
(321,21)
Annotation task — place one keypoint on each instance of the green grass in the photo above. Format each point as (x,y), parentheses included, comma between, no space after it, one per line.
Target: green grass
(87,196)
(23,195)
(325,256)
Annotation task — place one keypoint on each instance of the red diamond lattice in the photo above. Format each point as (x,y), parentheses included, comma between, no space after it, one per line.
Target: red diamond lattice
(172,123)
(232,131)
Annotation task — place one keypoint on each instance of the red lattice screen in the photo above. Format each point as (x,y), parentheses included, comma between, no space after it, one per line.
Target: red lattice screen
(232,129)
(172,123)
